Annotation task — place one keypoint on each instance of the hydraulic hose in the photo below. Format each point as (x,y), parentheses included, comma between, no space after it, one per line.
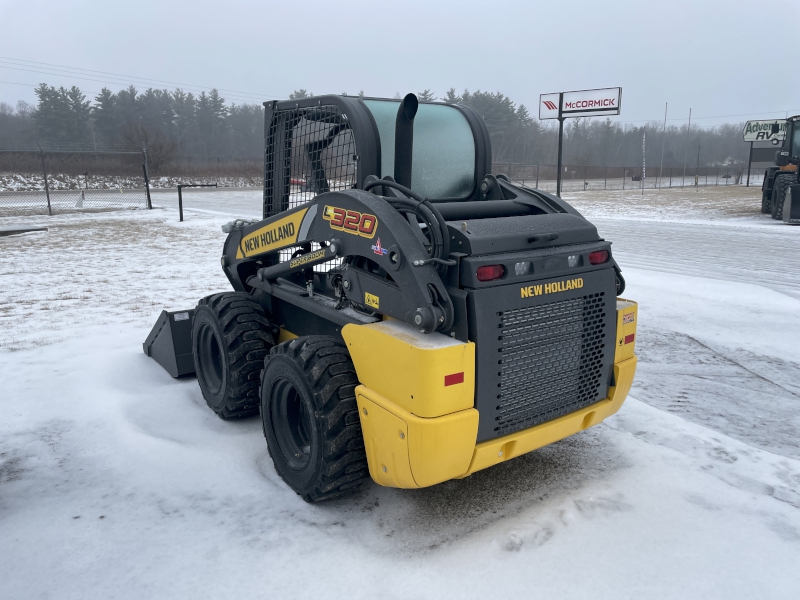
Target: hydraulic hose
(423,209)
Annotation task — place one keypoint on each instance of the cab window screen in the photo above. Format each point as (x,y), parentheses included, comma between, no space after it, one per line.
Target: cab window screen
(443,163)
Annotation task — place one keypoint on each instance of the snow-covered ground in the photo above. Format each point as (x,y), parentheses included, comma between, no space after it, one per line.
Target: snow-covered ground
(116,481)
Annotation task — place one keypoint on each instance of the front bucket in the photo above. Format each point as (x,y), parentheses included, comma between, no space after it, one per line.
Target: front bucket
(170,342)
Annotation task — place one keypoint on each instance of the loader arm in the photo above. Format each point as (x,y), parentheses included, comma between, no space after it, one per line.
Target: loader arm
(385,266)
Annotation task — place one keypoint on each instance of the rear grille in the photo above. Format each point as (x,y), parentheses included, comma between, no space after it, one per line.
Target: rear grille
(551,361)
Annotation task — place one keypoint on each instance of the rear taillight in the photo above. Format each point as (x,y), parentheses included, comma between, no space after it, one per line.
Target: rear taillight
(490,272)
(599,257)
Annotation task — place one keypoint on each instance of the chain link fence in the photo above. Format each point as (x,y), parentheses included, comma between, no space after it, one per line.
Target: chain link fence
(54,181)
(578,178)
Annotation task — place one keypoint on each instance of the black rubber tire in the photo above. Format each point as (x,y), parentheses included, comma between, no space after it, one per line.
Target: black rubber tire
(766,203)
(231,335)
(310,417)
(779,189)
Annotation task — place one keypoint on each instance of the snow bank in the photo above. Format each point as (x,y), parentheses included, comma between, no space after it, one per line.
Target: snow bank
(21,182)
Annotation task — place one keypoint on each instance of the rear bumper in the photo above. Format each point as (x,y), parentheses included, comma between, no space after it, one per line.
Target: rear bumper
(406,451)
(418,433)
(490,453)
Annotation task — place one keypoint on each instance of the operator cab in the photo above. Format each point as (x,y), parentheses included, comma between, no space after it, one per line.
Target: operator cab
(790,148)
(332,143)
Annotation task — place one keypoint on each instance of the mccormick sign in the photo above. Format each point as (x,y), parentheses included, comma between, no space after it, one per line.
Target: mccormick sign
(583,103)
(761,131)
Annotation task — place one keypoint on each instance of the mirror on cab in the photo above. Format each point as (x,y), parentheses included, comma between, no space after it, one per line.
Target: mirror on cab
(775,128)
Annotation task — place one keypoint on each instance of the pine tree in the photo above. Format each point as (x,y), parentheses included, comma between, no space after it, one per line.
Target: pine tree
(451,97)
(217,105)
(426,96)
(46,117)
(53,117)
(184,107)
(300,94)
(127,107)
(106,119)
(211,114)
(245,128)
(80,111)
(156,111)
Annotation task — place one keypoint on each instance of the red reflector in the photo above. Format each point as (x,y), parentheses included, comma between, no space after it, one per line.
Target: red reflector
(453,379)
(490,272)
(629,338)
(599,257)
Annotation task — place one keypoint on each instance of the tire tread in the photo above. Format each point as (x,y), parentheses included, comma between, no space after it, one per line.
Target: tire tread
(779,189)
(248,337)
(331,375)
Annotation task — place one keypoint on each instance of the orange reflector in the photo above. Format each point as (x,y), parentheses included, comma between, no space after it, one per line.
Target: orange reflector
(629,338)
(454,379)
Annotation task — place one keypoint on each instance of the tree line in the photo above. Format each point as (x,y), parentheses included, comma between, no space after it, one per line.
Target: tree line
(180,126)
(173,125)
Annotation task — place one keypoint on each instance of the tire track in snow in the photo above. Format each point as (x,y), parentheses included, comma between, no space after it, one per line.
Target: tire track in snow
(769,257)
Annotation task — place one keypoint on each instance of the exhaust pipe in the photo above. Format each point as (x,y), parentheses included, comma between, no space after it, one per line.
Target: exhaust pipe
(404,139)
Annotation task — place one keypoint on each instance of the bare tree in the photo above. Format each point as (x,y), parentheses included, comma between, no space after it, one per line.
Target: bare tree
(161,149)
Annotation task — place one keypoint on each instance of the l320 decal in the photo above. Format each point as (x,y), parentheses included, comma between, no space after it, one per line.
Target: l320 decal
(351,221)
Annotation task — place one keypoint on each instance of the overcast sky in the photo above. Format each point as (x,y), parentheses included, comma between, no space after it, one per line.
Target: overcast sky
(725,59)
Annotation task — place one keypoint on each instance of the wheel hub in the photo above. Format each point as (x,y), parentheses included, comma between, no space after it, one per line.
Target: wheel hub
(210,358)
(292,424)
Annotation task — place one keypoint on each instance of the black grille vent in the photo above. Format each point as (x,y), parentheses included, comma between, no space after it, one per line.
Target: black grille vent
(551,361)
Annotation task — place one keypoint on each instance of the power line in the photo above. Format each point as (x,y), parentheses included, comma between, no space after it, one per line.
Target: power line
(715,116)
(127,78)
(74,76)
(33,86)
(121,79)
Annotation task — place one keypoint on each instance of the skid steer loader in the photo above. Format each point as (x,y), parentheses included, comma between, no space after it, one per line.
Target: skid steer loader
(401,313)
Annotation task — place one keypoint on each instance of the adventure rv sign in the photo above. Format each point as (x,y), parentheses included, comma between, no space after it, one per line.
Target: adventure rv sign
(761,131)
(582,103)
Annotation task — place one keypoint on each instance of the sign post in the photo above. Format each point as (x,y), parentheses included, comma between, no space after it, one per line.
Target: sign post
(581,103)
(560,143)
(761,131)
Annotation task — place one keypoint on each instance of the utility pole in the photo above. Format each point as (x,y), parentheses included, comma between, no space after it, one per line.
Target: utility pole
(560,141)
(663,141)
(686,153)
